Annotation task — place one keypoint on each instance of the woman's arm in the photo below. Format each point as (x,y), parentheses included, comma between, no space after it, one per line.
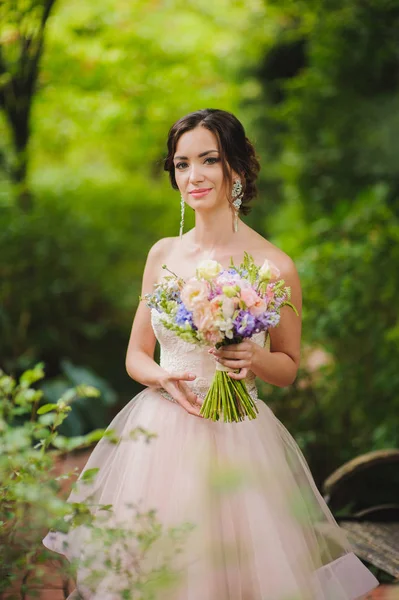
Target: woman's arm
(278,366)
(140,363)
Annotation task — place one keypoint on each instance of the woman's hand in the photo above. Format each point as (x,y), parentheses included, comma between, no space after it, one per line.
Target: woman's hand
(174,384)
(236,356)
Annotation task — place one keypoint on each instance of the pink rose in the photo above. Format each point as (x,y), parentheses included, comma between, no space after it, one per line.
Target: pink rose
(215,305)
(268,271)
(249,296)
(269,293)
(258,308)
(203,318)
(226,278)
(195,293)
(213,337)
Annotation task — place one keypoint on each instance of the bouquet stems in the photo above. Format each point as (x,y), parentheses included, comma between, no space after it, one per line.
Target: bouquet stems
(228,399)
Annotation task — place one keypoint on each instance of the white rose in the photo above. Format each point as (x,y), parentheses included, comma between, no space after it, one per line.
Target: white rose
(228,308)
(268,271)
(226,327)
(208,269)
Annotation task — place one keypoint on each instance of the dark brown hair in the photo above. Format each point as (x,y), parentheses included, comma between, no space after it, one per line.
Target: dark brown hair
(235,149)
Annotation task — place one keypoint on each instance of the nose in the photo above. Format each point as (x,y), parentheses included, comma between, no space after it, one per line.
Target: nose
(196,174)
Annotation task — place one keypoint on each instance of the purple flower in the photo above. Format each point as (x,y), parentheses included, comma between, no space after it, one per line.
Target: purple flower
(279,300)
(244,324)
(216,290)
(267,320)
(183,316)
(153,300)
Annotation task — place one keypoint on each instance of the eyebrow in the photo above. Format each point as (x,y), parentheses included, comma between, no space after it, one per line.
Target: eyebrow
(199,155)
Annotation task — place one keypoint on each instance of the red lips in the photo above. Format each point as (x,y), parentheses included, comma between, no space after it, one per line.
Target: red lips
(199,190)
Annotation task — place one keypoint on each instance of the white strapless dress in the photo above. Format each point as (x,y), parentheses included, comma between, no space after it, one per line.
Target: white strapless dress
(259,529)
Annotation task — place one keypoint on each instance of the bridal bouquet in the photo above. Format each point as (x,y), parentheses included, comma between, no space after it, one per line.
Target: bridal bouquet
(218,307)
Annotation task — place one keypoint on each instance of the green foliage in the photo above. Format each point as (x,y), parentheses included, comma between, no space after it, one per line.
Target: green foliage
(53,298)
(82,419)
(22,28)
(31,502)
(329,119)
(113,80)
(29,492)
(316,87)
(72,266)
(330,112)
(354,268)
(350,318)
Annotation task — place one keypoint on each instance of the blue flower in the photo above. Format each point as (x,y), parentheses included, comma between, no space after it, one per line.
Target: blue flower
(184,316)
(175,295)
(267,320)
(244,324)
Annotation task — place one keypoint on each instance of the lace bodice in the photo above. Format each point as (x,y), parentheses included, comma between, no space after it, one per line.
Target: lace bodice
(180,356)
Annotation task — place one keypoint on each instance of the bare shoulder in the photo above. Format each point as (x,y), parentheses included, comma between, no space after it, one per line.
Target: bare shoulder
(284,262)
(161,248)
(159,254)
(160,251)
(288,272)
(261,249)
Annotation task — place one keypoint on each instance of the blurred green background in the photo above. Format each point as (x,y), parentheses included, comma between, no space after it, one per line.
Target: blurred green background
(88,92)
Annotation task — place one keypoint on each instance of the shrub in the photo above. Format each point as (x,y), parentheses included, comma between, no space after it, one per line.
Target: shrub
(30,501)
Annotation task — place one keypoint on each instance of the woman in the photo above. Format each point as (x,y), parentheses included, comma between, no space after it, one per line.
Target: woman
(259,528)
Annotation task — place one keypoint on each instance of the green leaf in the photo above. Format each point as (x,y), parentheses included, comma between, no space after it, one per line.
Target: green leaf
(94,436)
(46,408)
(60,442)
(89,475)
(32,375)
(7,384)
(88,391)
(27,396)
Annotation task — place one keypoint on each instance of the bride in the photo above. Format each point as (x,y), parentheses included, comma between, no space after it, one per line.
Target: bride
(254,526)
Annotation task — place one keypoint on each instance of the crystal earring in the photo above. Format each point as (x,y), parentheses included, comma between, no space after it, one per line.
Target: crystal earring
(236,194)
(182,205)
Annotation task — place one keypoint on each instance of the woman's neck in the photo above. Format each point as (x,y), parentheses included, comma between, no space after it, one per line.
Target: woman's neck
(213,231)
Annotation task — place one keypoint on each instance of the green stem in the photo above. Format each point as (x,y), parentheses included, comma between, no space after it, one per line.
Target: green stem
(228,397)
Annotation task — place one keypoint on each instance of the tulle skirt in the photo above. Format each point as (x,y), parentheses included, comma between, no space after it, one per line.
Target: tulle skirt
(205,511)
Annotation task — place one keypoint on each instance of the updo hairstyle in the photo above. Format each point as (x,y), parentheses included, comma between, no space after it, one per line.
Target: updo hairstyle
(236,151)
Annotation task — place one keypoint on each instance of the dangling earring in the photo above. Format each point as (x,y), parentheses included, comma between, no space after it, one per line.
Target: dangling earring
(236,194)
(182,205)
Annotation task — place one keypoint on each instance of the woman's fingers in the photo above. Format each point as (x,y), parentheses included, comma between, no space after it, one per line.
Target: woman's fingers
(176,393)
(187,376)
(241,375)
(182,394)
(190,394)
(191,409)
(179,381)
(237,354)
(234,364)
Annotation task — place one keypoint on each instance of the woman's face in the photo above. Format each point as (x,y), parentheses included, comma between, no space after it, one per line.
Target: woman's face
(198,169)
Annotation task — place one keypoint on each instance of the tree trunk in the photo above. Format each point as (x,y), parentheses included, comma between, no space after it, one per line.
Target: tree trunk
(16,97)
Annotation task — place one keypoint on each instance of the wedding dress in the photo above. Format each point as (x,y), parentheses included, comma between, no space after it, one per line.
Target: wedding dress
(258,529)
